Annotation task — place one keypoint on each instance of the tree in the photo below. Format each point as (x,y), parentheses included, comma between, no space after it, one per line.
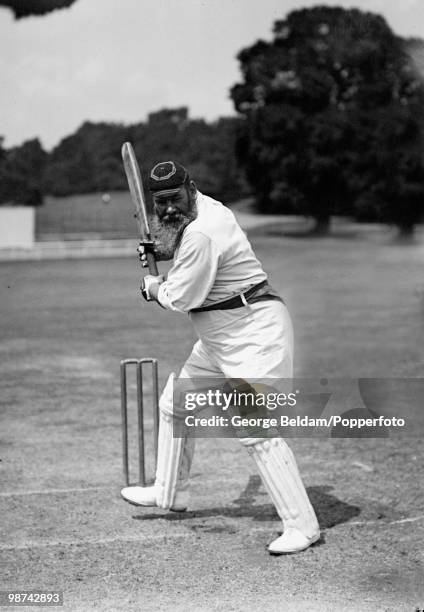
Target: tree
(87,161)
(206,149)
(25,8)
(22,174)
(90,160)
(301,96)
(389,170)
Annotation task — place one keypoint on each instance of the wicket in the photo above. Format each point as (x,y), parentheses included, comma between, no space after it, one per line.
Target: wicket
(140,412)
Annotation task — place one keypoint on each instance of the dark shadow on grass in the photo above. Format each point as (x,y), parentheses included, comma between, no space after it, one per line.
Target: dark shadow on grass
(385,234)
(343,234)
(303,231)
(330,510)
(405,241)
(262,512)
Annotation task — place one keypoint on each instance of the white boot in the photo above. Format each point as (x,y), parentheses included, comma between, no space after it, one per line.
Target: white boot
(291,541)
(147,496)
(280,475)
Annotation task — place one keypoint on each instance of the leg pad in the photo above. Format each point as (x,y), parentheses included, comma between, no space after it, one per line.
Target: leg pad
(175,451)
(280,475)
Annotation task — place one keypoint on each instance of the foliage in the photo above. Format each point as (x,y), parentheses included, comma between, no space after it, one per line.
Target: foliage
(90,160)
(388,173)
(21,174)
(87,161)
(206,149)
(319,101)
(25,8)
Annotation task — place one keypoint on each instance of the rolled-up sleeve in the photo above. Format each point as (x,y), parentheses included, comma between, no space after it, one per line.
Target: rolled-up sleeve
(193,274)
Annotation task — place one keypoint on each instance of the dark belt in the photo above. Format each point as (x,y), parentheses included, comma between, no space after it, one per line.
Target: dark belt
(246,297)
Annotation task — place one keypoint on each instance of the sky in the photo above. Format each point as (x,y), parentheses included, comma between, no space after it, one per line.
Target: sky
(119,62)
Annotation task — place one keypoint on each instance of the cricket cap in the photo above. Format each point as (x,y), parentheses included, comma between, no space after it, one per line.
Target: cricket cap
(167,177)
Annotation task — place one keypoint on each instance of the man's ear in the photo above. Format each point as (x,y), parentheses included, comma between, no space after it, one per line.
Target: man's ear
(193,188)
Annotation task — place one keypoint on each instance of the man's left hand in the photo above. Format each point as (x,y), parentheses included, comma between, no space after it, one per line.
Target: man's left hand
(150,286)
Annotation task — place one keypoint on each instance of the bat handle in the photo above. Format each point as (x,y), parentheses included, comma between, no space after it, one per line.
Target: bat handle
(151,262)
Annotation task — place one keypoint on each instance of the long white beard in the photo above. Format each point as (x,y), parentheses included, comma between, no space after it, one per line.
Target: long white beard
(167,235)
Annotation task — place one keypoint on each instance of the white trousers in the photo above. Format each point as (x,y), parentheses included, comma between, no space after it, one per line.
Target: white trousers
(252,342)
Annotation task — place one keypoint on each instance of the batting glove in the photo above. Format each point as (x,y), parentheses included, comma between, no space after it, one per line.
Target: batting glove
(148,281)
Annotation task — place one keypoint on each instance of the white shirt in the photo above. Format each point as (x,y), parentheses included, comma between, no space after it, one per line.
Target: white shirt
(213,262)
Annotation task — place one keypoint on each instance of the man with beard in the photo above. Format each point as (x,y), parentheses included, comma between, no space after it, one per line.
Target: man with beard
(244,332)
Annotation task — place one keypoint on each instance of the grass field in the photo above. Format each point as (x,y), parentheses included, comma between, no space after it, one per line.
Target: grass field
(358,310)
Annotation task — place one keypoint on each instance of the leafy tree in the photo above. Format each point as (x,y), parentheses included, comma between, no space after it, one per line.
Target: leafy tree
(87,161)
(25,8)
(327,72)
(206,149)
(21,174)
(389,170)
(90,159)
(222,162)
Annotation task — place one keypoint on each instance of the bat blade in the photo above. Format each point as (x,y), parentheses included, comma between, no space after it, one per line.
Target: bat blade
(135,185)
(136,189)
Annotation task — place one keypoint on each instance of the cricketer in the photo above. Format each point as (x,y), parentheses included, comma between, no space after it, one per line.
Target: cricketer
(244,332)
